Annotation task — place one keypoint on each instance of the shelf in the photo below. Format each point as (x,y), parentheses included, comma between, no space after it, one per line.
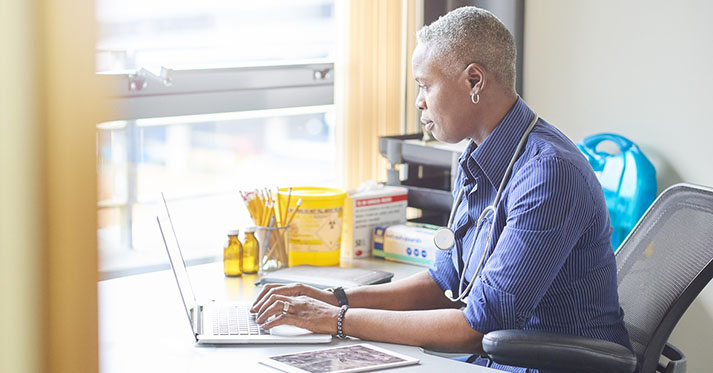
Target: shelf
(429,169)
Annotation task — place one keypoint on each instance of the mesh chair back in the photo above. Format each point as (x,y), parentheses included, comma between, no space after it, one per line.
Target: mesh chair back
(663,264)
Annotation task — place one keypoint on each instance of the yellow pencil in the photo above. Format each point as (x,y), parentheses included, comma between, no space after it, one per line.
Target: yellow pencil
(287,206)
(297,206)
(278,213)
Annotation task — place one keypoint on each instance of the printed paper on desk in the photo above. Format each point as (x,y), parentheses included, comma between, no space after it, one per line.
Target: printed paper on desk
(342,359)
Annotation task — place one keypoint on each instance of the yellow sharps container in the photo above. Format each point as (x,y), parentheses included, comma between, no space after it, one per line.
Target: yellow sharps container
(316,229)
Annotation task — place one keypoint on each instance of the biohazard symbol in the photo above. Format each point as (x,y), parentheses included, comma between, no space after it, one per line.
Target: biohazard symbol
(330,232)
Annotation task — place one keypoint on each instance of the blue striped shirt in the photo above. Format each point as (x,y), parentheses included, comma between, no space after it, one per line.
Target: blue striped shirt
(551,265)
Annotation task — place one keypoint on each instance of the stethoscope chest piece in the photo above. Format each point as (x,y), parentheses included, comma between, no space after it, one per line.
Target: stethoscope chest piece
(444,238)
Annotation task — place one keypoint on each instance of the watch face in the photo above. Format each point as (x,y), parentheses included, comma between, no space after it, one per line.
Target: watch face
(341,296)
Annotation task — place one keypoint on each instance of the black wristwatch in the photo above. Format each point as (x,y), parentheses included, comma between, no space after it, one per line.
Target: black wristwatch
(341,296)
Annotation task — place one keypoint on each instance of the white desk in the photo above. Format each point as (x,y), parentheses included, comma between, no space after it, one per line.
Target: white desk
(143,327)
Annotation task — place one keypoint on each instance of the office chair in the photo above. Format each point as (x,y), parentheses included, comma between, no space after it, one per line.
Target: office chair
(662,265)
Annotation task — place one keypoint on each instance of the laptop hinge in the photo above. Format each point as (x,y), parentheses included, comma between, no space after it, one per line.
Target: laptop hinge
(198,321)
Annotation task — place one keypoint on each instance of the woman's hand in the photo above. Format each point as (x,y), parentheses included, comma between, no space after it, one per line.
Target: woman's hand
(297,304)
(292,290)
(301,311)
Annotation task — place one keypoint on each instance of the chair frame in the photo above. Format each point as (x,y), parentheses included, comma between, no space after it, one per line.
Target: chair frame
(658,342)
(607,354)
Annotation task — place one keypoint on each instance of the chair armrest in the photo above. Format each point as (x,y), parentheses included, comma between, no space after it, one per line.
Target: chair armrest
(542,350)
(676,360)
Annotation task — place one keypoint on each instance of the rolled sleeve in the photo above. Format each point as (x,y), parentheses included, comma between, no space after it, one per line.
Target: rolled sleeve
(443,272)
(490,309)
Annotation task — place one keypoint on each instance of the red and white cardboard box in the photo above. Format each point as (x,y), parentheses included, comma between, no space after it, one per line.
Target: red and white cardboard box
(363,210)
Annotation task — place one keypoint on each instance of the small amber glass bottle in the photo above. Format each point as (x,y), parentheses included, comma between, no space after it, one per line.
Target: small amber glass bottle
(251,251)
(233,255)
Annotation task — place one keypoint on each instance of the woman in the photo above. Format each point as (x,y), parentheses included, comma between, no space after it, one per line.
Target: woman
(534,215)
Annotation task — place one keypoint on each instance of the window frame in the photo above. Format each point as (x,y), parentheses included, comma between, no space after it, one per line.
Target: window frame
(205,90)
(144,94)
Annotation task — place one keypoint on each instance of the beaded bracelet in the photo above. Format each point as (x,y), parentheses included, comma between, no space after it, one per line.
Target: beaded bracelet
(340,321)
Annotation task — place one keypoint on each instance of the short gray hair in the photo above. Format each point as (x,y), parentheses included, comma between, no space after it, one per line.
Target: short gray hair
(469,34)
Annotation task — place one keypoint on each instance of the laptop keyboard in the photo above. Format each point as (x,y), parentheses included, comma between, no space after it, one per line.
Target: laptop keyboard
(235,320)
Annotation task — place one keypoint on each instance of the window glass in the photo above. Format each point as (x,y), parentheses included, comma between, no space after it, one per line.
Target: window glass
(200,163)
(200,155)
(176,34)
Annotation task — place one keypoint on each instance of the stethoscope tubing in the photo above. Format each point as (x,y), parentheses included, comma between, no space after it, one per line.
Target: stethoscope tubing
(463,293)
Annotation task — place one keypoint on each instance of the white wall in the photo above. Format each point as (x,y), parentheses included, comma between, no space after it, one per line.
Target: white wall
(643,69)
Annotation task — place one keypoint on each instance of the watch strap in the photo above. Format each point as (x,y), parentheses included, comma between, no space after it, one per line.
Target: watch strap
(341,296)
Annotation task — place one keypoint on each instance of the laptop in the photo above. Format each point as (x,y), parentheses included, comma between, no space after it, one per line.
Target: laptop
(218,322)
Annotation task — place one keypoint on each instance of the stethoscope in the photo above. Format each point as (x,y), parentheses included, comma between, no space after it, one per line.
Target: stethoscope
(445,239)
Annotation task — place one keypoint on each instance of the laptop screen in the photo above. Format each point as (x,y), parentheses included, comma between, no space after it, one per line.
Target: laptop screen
(178,265)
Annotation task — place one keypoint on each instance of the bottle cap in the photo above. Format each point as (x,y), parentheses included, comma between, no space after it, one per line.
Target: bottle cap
(233,232)
(250,229)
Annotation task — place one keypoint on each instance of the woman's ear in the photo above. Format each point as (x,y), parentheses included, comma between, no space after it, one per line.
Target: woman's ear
(476,77)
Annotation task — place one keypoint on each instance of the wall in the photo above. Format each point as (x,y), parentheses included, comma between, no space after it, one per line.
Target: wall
(641,69)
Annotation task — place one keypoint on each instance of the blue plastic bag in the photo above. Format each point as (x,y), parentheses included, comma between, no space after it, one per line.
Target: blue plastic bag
(628,180)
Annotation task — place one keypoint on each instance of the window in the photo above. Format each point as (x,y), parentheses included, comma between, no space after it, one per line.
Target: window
(138,33)
(213,97)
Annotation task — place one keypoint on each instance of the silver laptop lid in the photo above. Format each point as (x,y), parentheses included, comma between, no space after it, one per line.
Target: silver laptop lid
(178,265)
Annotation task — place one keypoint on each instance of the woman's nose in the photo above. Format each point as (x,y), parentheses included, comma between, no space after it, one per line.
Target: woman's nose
(420,102)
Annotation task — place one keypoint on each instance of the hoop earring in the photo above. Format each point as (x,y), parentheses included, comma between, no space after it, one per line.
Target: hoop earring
(475,98)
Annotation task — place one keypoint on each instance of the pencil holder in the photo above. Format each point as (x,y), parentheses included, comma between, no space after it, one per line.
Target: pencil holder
(273,242)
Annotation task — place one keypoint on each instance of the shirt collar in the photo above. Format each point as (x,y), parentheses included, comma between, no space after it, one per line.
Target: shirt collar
(494,154)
